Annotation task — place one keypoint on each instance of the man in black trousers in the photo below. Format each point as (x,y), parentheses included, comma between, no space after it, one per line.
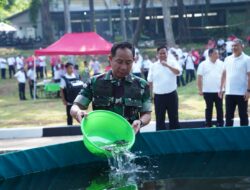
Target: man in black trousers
(236,79)
(162,78)
(209,78)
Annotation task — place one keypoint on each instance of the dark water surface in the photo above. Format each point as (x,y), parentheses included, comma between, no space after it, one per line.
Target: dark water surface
(196,171)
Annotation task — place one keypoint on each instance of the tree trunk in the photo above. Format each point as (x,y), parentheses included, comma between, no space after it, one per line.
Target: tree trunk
(207,10)
(183,30)
(46,23)
(167,23)
(67,22)
(140,22)
(123,21)
(92,15)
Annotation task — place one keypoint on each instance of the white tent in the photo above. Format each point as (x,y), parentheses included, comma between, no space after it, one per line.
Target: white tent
(6,27)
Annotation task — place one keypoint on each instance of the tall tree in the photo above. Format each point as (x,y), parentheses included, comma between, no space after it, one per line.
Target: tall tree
(92,15)
(140,22)
(67,20)
(123,21)
(46,22)
(42,6)
(167,23)
(183,31)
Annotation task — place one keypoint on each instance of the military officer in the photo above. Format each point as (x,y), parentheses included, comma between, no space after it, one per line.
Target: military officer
(117,90)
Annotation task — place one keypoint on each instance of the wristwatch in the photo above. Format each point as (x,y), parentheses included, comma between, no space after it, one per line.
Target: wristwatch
(142,124)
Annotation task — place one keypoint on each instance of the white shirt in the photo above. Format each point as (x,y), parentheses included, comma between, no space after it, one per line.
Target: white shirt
(57,74)
(31,74)
(205,54)
(19,63)
(190,62)
(42,61)
(20,75)
(136,68)
(229,45)
(11,61)
(3,64)
(211,75)
(63,82)
(163,79)
(236,74)
(146,64)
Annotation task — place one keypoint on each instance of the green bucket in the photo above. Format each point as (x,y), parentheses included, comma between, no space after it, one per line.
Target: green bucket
(101,128)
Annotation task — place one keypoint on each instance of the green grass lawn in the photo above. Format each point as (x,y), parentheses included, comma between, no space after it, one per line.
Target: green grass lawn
(51,112)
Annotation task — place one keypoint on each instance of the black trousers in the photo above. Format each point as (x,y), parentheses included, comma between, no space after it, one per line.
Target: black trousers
(21,90)
(190,75)
(211,99)
(231,102)
(32,89)
(69,117)
(11,71)
(3,73)
(180,80)
(166,103)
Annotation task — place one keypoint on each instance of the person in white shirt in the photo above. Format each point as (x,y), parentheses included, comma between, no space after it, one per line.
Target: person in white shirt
(229,44)
(162,78)
(3,67)
(137,66)
(209,78)
(190,69)
(11,63)
(21,78)
(236,79)
(43,70)
(32,78)
(19,62)
(146,64)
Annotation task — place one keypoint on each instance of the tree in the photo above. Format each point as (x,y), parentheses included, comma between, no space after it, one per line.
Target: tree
(167,23)
(46,22)
(139,25)
(183,31)
(42,7)
(67,22)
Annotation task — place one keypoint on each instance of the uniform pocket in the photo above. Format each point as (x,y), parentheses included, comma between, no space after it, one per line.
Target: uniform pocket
(102,101)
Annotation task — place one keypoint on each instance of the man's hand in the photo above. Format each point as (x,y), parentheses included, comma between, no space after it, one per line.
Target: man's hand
(220,94)
(200,93)
(136,125)
(80,114)
(65,102)
(164,63)
(246,96)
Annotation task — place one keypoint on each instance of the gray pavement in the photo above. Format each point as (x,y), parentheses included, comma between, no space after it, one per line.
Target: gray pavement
(27,143)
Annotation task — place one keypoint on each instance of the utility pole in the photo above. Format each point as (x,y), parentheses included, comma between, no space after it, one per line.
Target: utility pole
(123,21)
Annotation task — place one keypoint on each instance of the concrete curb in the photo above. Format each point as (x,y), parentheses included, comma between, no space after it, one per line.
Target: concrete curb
(36,132)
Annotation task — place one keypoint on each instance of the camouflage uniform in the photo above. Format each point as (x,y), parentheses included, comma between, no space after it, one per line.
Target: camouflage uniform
(128,97)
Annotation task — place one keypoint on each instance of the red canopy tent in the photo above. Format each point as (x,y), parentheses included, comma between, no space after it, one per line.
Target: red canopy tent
(87,43)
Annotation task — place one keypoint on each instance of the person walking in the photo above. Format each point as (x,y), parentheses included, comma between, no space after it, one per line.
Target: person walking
(209,79)
(21,78)
(236,79)
(162,77)
(117,90)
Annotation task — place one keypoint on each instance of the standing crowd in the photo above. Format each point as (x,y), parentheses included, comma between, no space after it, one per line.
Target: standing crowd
(223,68)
